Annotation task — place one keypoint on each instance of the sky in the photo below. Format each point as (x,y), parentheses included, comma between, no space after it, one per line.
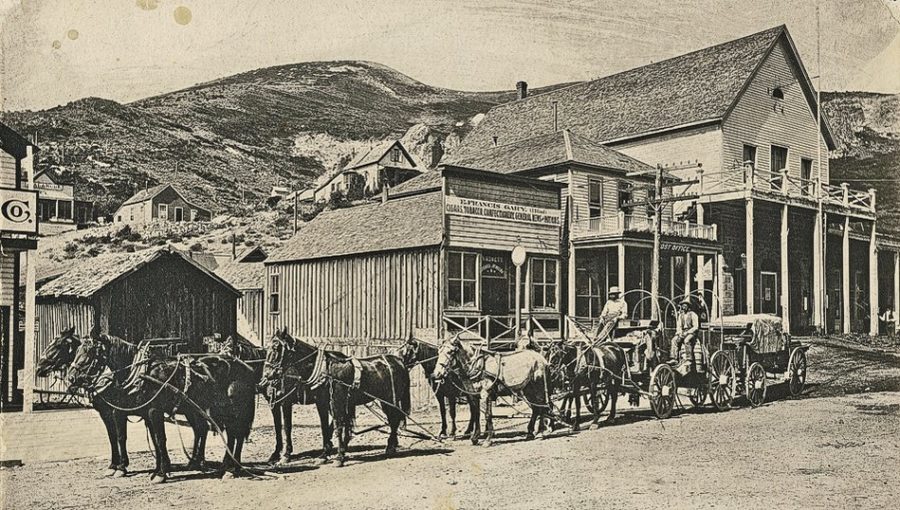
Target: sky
(56,51)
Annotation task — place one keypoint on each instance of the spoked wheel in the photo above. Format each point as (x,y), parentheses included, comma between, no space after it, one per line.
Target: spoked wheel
(698,395)
(756,385)
(662,391)
(797,371)
(722,380)
(602,400)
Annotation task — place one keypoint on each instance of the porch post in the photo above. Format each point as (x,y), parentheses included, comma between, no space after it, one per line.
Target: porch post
(818,291)
(621,280)
(896,286)
(845,264)
(785,279)
(874,308)
(27,380)
(687,274)
(701,218)
(750,271)
(570,288)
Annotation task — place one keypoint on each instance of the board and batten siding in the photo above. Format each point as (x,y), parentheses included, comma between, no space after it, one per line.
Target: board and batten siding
(362,300)
(251,305)
(7,278)
(758,119)
(52,319)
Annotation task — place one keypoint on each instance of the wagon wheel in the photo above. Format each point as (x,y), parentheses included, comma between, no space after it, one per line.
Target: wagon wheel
(797,371)
(663,391)
(602,400)
(756,385)
(722,380)
(698,395)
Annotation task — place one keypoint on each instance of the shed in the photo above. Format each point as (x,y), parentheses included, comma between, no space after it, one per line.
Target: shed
(247,273)
(155,293)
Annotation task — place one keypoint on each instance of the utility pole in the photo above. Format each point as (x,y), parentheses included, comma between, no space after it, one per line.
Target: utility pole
(294,192)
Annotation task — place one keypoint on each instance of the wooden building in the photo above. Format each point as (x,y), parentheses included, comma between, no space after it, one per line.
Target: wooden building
(746,111)
(19,228)
(154,293)
(247,273)
(58,210)
(385,164)
(163,203)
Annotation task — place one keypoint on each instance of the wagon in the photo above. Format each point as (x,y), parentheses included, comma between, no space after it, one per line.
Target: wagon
(761,352)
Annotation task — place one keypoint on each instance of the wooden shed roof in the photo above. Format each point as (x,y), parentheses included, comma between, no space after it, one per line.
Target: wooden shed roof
(400,223)
(93,275)
(691,89)
(243,275)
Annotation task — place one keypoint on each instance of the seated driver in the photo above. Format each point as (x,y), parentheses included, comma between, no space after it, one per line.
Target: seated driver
(686,325)
(615,309)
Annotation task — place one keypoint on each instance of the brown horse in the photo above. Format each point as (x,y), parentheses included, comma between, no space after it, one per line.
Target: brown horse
(417,352)
(287,369)
(522,373)
(359,381)
(220,388)
(595,366)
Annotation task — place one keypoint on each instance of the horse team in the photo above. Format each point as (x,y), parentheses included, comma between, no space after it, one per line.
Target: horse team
(216,389)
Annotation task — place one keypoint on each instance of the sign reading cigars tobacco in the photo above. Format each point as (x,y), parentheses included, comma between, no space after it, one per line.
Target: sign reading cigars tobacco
(498,211)
(18,211)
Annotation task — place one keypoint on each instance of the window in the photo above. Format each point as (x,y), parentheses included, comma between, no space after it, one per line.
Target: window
(274,293)
(462,280)
(46,209)
(777,163)
(588,294)
(626,193)
(163,212)
(179,214)
(806,176)
(63,210)
(595,198)
(395,154)
(778,93)
(193,215)
(543,283)
(749,157)
(132,213)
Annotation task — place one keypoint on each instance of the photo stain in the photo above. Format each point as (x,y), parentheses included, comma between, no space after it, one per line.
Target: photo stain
(182,15)
(57,44)
(148,5)
(72,34)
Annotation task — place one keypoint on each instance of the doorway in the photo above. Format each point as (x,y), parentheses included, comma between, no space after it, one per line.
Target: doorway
(768,292)
(495,284)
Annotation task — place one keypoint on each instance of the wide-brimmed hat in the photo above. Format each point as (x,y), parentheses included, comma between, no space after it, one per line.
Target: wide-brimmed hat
(686,301)
(613,290)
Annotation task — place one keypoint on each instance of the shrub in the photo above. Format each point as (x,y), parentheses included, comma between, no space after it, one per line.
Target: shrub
(197,247)
(70,249)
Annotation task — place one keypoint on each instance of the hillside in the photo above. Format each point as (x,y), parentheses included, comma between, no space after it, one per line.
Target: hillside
(867,126)
(247,132)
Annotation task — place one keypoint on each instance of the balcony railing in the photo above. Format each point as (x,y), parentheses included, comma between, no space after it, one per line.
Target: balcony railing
(747,178)
(620,224)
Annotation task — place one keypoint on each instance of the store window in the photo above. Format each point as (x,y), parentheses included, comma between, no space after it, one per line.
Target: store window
(543,284)
(588,294)
(462,280)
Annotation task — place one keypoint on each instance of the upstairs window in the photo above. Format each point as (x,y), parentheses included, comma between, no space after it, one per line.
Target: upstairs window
(543,283)
(462,280)
(626,193)
(595,198)
(749,156)
(395,155)
(274,293)
(806,176)
(778,93)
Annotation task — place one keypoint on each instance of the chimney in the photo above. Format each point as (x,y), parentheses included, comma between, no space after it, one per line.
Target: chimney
(521,90)
(385,191)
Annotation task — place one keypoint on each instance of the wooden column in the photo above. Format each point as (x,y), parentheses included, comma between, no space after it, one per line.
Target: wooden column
(687,274)
(785,272)
(621,266)
(874,308)
(573,274)
(750,271)
(845,265)
(818,273)
(701,220)
(28,375)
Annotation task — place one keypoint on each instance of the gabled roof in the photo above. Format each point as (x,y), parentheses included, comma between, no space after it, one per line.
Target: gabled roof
(401,223)
(93,275)
(147,194)
(430,180)
(694,89)
(376,152)
(549,150)
(243,275)
(252,254)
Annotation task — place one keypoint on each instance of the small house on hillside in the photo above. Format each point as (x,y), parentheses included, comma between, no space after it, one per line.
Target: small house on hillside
(154,293)
(163,202)
(58,210)
(387,163)
(247,273)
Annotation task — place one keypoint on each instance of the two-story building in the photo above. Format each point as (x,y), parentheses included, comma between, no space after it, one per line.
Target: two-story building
(793,242)
(164,203)
(58,210)
(18,249)
(384,164)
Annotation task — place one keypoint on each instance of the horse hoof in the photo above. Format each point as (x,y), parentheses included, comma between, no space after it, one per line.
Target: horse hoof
(157,479)
(285,459)
(487,443)
(529,437)
(594,426)
(390,450)
(340,463)
(442,435)
(227,475)
(576,428)
(274,458)
(119,473)
(110,472)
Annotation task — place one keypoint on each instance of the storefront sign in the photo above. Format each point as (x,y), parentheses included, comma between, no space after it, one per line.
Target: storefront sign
(674,247)
(498,211)
(49,186)
(493,267)
(18,211)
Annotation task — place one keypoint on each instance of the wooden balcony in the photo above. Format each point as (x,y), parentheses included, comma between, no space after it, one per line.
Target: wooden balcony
(622,224)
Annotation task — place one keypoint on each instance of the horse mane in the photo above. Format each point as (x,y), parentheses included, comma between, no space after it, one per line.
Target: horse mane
(120,353)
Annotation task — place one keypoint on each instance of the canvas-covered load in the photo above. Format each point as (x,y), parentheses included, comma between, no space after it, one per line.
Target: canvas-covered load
(767,330)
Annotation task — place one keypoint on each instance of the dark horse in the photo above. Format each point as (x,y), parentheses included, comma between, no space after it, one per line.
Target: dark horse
(523,373)
(101,367)
(359,381)
(446,391)
(287,368)
(221,388)
(578,364)
(59,357)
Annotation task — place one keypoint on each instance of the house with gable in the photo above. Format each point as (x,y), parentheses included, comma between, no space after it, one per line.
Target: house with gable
(164,203)
(385,164)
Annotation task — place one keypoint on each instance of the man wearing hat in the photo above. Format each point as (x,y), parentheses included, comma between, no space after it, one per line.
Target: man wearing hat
(686,325)
(615,308)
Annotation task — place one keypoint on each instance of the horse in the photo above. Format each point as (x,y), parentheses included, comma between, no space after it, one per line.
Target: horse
(524,373)
(359,381)
(220,388)
(582,364)
(284,384)
(446,392)
(101,367)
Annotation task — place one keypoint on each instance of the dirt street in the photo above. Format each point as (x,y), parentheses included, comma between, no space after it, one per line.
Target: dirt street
(837,446)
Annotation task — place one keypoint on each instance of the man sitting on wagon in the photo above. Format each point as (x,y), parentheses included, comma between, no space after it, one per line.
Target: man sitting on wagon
(687,323)
(615,309)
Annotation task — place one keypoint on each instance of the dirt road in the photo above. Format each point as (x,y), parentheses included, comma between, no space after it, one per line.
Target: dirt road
(825,449)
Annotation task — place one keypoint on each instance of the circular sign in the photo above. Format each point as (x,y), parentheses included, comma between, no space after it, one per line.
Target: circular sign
(518,256)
